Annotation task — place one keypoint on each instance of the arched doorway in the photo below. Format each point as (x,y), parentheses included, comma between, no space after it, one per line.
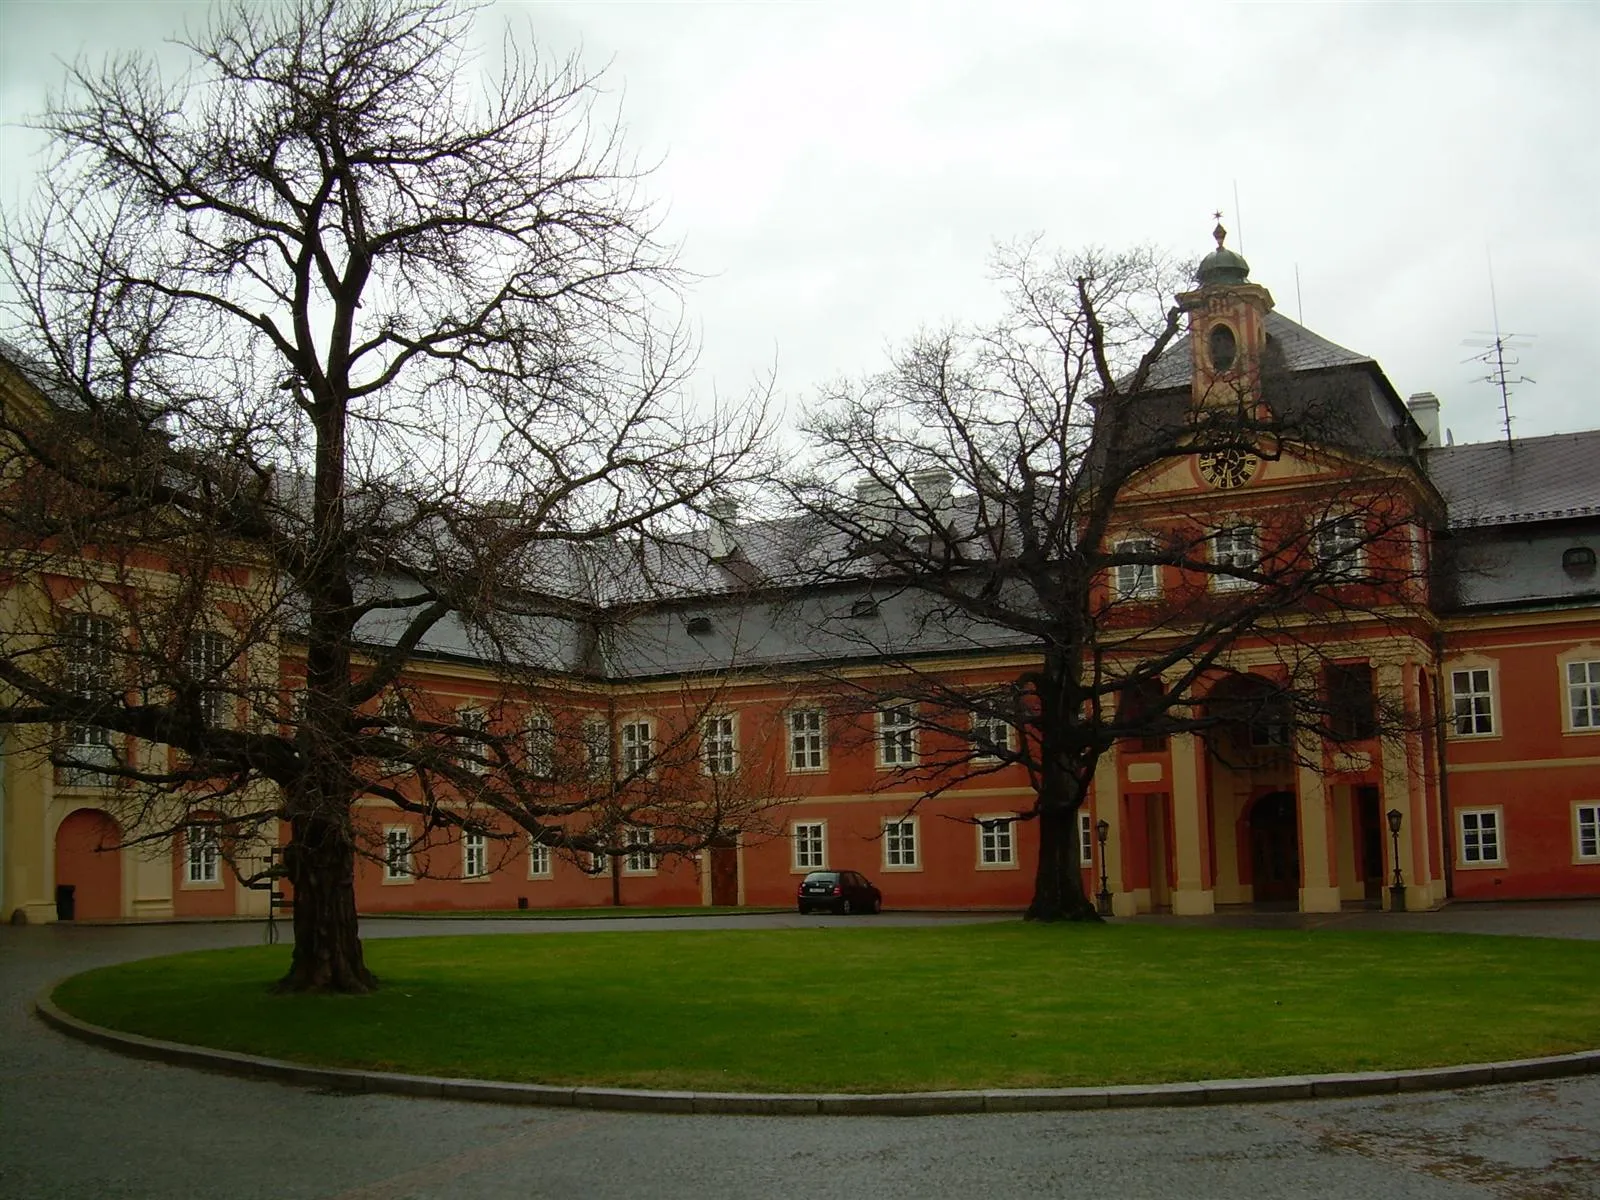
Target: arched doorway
(1275,848)
(87,860)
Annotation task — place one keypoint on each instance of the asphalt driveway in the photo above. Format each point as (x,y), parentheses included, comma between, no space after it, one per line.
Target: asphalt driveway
(78,1121)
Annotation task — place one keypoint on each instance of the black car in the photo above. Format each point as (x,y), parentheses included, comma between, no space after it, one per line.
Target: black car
(840,892)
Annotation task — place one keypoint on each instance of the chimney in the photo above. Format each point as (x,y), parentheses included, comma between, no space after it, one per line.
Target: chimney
(932,487)
(724,514)
(1424,408)
(876,507)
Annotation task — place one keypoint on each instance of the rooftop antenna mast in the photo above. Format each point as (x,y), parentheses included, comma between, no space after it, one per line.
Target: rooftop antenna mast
(1499,354)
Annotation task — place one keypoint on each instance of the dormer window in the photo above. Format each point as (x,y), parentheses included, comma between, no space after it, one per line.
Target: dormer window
(1224,348)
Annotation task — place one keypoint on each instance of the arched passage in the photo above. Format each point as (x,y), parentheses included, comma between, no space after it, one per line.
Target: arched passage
(88,860)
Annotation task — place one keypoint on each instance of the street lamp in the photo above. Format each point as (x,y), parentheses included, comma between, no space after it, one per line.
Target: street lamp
(1397,890)
(1101,828)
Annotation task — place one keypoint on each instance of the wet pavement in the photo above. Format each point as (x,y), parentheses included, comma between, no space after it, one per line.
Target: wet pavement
(79,1121)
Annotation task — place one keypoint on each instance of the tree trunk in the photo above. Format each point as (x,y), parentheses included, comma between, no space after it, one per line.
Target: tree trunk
(327,943)
(1058,893)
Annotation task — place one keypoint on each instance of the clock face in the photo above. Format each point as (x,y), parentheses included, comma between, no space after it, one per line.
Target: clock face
(1228,468)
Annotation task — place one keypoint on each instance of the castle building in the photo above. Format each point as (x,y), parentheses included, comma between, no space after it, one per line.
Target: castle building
(1491,791)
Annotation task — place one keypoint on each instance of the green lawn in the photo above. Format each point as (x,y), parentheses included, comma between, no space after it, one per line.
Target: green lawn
(847,1007)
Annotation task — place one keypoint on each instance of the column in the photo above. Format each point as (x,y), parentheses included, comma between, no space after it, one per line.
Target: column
(1398,792)
(1193,894)
(1108,808)
(1319,876)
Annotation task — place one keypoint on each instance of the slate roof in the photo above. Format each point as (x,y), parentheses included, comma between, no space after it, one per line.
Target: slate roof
(1534,479)
(1290,347)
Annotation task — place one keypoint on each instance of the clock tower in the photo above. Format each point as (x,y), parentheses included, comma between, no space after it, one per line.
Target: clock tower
(1227,329)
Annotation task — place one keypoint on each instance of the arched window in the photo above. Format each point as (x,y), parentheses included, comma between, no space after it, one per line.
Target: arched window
(1223,347)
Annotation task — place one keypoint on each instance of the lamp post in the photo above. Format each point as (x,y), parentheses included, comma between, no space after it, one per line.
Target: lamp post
(1397,889)
(1101,828)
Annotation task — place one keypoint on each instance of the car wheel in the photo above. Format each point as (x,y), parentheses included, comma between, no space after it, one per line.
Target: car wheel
(846,908)
(804,911)
(877,905)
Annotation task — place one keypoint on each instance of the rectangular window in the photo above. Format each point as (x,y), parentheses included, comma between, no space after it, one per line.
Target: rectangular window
(541,733)
(1234,549)
(1583,694)
(807,740)
(1352,702)
(640,861)
(597,748)
(599,864)
(397,853)
(1472,701)
(203,661)
(1085,838)
(1137,581)
(539,865)
(204,852)
(396,718)
(1339,547)
(1586,821)
(474,855)
(638,748)
(1480,835)
(810,839)
(996,846)
(471,749)
(897,735)
(900,843)
(89,642)
(991,737)
(719,745)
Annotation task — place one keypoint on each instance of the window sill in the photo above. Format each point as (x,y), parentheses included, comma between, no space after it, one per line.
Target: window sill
(1010,866)
(902,870)
(1498,865)
(402,881)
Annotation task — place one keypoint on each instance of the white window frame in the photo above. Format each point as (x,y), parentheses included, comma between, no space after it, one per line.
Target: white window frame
(88,669)
(597,747)
(808,845)
(474,854)
(1581,694)
(990,730)
(638,738)
(1235,546)
(640,860)
(540,732)
(1586,831)
(397,854)
(203,657)
(472,752)
(719,744)
(1478,830)
(541,863)
(1340,549)
(997,841)
(599,864)
(1137,581)
(902,844)
(897,734)
(808,740)
(202,852)
(1480,700)
(1086,839)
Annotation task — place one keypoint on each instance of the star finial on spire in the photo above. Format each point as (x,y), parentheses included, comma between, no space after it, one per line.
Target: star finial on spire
(1219,232)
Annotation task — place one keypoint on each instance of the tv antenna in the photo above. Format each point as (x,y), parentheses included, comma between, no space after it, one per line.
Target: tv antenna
(1500,354)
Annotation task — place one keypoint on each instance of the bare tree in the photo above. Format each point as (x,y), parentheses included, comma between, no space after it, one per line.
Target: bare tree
(1010,487)
(338,359)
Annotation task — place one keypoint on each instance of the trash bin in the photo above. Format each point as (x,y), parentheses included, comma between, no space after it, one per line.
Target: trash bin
(66,901)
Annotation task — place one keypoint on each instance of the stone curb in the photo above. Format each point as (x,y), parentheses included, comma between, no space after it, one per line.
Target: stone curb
(887,1104)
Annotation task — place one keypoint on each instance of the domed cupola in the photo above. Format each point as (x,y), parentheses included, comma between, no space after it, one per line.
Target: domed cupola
(1222,266)
(1227,329)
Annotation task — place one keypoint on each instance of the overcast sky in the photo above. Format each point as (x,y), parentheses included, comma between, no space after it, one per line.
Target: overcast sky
(840,173)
